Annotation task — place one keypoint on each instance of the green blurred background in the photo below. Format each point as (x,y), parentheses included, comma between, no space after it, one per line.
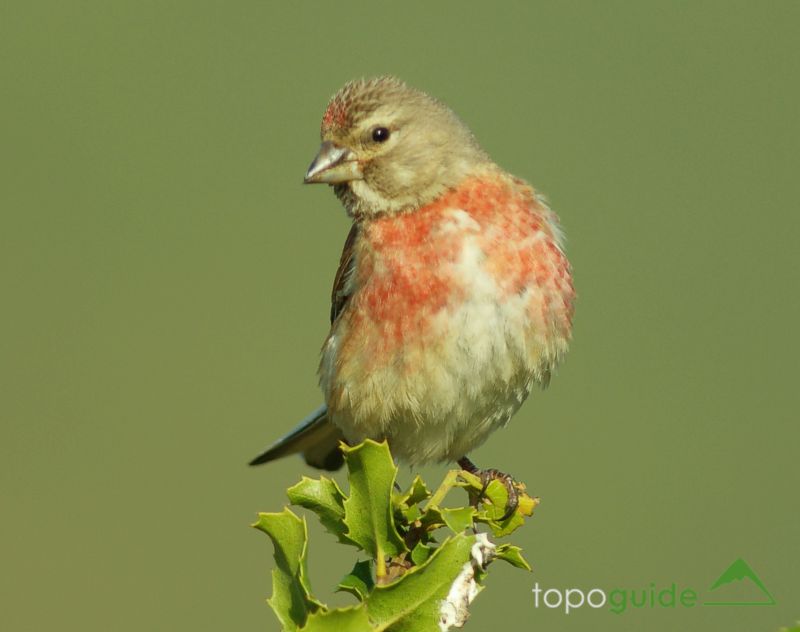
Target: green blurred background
(165,282)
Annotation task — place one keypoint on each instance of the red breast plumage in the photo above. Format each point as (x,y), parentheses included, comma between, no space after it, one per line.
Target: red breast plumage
(454,310)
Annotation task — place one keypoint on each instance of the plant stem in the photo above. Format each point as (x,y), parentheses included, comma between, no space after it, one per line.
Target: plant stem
(447,484)
(380,566)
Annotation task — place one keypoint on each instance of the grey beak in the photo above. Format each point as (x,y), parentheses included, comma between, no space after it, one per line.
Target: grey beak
(333,164)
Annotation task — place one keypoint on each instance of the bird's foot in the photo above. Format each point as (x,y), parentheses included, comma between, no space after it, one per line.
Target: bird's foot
(489,475)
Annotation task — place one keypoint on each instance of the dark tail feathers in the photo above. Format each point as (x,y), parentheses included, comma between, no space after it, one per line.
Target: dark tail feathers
(315,437)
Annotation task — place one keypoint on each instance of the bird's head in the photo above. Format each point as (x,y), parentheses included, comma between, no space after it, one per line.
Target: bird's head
(387,147)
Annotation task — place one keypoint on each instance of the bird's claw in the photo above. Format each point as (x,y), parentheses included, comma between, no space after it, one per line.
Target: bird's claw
(489,475)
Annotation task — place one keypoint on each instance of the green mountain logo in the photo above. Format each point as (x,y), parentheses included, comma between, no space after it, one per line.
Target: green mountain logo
(741,571)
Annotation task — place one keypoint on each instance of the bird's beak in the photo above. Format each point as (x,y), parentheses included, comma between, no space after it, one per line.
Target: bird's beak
(332,165)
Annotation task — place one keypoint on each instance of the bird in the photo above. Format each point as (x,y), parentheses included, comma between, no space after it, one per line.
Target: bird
(453,297)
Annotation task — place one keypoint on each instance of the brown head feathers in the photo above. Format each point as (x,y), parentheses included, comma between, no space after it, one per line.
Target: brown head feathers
(409,146)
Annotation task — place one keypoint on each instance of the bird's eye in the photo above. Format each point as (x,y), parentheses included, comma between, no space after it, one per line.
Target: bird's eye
(380,134)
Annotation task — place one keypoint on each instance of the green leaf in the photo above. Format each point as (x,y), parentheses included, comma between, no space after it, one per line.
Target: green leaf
(368,511)
(458,519)
(512,555)
(497,495)
(432,519)
(414,495)
(412,514)
(358,582)
(407,503)
(420,553)
(443,578)
(291,594)
(340,620)
(413,602)
(324,498)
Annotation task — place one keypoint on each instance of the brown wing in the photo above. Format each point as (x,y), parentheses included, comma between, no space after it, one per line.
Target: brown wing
(339,295)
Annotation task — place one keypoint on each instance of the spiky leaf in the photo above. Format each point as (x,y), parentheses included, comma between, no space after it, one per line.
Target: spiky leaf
(432,519)
(512,555)
(458,519)
(359,581)
(412,603)
(415,494)
(340,620)
(420,553)
(411,514)
(324,498)
(291,594)
(368,510)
